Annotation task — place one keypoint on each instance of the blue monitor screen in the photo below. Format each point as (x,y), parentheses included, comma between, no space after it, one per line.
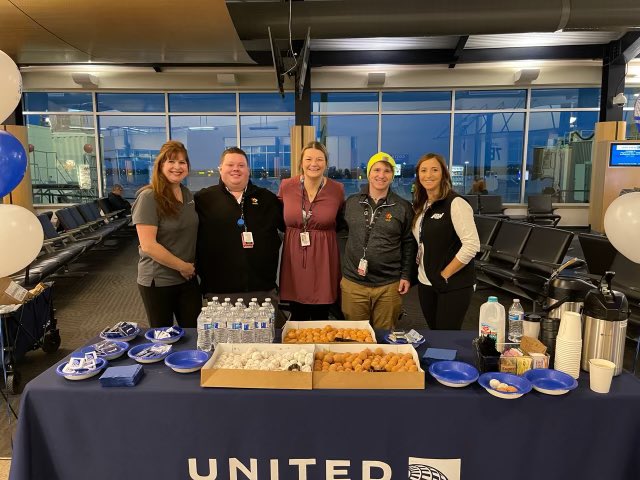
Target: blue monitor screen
(625,155)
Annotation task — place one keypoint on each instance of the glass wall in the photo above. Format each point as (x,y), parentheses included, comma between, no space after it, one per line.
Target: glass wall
(519,141)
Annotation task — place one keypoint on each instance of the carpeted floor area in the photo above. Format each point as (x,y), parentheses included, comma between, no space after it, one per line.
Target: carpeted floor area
(108,293)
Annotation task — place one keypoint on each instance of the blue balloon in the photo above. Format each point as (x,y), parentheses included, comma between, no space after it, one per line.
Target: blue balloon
(13,162)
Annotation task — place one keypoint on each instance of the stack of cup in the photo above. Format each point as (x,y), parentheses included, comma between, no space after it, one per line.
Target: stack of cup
(569,344)
(600,374)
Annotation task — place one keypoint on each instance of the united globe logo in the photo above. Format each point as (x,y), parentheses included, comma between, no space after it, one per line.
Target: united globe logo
(425,472)
(434,468)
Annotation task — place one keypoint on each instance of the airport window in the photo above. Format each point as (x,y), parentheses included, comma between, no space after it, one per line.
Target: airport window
(131,102)
(266,102)
(205,138)
(350,140)
(490,99)
(336,102)
(489,146)
(565,98)
(559,154)
(408,137)
(415,101)
(62,158)
(202,102)
(266,141)
(128,147)
(58,102)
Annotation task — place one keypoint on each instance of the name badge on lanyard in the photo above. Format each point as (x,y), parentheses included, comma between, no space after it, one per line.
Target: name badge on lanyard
(362,267)
(247,240)
(305,239)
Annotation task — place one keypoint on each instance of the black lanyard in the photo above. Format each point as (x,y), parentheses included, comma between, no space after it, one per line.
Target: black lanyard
(240,222)
(306,215)
(371,222)
(424,216)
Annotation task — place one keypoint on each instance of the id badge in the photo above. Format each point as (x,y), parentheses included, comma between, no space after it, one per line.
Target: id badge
(247,240)
(362,267)
(419,255)
(305,239)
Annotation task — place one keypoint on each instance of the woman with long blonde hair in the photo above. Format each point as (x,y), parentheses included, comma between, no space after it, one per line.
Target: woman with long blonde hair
(167,225)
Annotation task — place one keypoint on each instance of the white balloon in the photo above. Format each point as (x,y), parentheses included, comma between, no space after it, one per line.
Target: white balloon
(622,225)
(10,86)
(21,238)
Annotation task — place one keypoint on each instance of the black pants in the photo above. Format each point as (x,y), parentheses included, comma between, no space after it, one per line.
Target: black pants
(162,303)
(306,311)
(444,311)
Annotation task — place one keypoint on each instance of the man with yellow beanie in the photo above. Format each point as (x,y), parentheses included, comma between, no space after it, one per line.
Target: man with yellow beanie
(380,251)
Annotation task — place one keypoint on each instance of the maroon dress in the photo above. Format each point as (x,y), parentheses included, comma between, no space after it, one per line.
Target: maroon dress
(310,275)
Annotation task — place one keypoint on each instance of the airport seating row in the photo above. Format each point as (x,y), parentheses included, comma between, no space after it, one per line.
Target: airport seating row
(83,227)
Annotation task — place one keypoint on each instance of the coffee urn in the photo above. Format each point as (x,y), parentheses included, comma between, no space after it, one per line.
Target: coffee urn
(604,319)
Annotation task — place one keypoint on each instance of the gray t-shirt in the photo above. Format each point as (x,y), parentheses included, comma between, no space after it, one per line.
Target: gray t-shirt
(177,234)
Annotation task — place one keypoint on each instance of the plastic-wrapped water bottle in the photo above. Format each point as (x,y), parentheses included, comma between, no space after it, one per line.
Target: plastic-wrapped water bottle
(516,317)
(248,326)
(234,326)
(204,331)
(220,334)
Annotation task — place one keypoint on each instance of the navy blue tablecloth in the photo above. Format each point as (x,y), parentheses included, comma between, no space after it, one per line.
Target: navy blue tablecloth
(168,427)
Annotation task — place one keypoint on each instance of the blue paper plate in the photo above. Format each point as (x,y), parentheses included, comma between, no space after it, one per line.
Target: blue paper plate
(453,373)
(133,353)
(173,338)
(550,382)
(122,347)
(522,384)
(402,341)
(84,373)
(120,338)
(186,361)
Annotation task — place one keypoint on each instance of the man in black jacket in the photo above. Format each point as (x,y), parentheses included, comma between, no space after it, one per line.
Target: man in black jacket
(117,201)
(380,251)
(238,240)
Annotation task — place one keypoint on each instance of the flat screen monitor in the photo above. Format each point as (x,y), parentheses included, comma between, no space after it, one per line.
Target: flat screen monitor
(625,155)
(278,63)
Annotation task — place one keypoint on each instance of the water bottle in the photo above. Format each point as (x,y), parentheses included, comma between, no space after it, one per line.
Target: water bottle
(234,326)
(516,317)
(240,303)
(492,322)
(220,334)
(204,331)
(227,303)
(272,316)
(248,332)
(253,304)
(262,326)
(215,301)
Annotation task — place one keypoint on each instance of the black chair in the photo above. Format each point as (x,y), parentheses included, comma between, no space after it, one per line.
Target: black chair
(487,228)
(506,249)
(473,201)
(598,252)
(543,252)
(540,210)
(627,279)
(492,205)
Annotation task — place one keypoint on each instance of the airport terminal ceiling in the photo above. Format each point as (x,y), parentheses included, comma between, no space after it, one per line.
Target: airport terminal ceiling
(344,32)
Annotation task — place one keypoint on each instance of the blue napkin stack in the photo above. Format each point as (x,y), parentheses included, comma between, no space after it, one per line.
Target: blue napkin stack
(436,354)
(126,376)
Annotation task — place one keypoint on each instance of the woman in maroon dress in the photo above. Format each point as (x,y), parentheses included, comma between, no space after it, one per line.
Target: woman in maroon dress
(310,268)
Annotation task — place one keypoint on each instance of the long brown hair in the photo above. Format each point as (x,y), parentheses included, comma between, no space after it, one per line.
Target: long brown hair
(420,197)
(315,146)
(166,203)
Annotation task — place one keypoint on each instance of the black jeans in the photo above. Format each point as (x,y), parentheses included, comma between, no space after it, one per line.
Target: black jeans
(445,310)
(162,303)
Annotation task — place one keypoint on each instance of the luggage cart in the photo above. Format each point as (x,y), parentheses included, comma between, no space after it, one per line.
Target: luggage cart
(28,327)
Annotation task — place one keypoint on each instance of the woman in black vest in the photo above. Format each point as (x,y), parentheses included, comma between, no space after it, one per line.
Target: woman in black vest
(447,243)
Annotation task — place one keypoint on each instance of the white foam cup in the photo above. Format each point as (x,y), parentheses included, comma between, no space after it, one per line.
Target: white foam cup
(600,374)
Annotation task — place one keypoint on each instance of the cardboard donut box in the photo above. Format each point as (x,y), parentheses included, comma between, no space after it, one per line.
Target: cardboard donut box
(210,376)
